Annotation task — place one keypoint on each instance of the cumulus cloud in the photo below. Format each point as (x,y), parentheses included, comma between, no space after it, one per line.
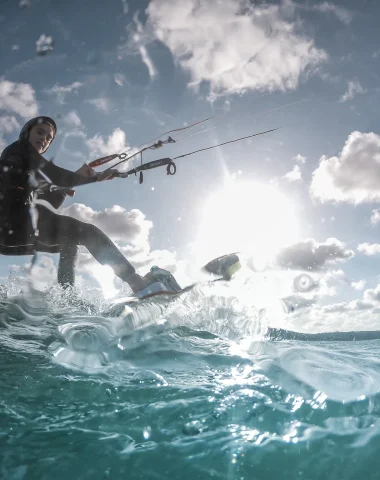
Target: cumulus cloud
(72,120)
(372,294)
(146,259)
(102,104)
(375,216)
(300,159)
(61,91)
(115,143)
(354,88)
(359,285)
(341,13)
(331,281)
(265,50)
(369,249)
(18,98)
(8,124)
(354,305)
(294,175)
(353,176)
(313,256)
(354,315)
(119,224)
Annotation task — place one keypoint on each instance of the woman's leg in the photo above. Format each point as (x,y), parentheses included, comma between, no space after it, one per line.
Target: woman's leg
(62,232)
(66,266)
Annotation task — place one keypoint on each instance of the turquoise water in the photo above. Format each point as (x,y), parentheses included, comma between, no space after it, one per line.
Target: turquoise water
(191,389)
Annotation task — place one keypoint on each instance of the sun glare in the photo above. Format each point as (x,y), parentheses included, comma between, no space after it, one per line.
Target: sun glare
(104,275)
(250,218)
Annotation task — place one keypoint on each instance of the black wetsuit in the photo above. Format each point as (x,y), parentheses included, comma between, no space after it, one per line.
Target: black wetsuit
(56,233)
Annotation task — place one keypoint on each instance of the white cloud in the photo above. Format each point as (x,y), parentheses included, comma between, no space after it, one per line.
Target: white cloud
(115,143)
(359,285)
(335,308)
(375,216)
(372,294)
(147,258)
(353,305)
(125,6)
(360,305)
(61,91)
(138,40)
(265,49)
(300,159)
(354,175)
(148,61)
(369,249)
(311,255)
(7,125)
(341,13)
(354,88)
(18,98)
(330,282)
(294,175)
(102,104)
(354,315)
(121,225)
(72,119)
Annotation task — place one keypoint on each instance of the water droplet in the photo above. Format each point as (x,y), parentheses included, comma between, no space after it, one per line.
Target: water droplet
(10,232)
(147,432)
(152,189)
(15,48)
(25,3)
(304,283)
(108,392)
(148,377)
(194,427)
(44,44)
(120,79)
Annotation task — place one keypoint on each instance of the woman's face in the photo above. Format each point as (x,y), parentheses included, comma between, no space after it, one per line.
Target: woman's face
(41,136)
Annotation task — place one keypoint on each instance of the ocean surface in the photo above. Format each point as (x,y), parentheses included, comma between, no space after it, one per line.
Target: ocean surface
(191,388)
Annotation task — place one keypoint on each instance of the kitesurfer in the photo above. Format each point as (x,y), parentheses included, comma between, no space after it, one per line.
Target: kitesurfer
(22,168)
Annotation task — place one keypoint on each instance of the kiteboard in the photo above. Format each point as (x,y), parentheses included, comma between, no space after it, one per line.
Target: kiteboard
(162,281)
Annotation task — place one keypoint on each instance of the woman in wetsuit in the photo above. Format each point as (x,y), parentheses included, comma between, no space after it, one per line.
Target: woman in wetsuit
(21,164)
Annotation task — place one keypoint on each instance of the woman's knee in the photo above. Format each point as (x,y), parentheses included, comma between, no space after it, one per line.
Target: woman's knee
(69,250)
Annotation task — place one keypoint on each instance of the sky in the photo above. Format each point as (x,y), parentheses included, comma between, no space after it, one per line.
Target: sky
(302,200)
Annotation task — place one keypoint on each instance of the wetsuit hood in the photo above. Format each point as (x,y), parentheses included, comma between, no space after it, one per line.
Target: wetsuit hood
(24,134)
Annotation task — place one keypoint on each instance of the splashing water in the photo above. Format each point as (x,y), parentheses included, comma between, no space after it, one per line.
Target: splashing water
(187,387)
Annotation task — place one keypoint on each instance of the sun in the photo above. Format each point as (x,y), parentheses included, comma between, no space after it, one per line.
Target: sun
(249,218)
